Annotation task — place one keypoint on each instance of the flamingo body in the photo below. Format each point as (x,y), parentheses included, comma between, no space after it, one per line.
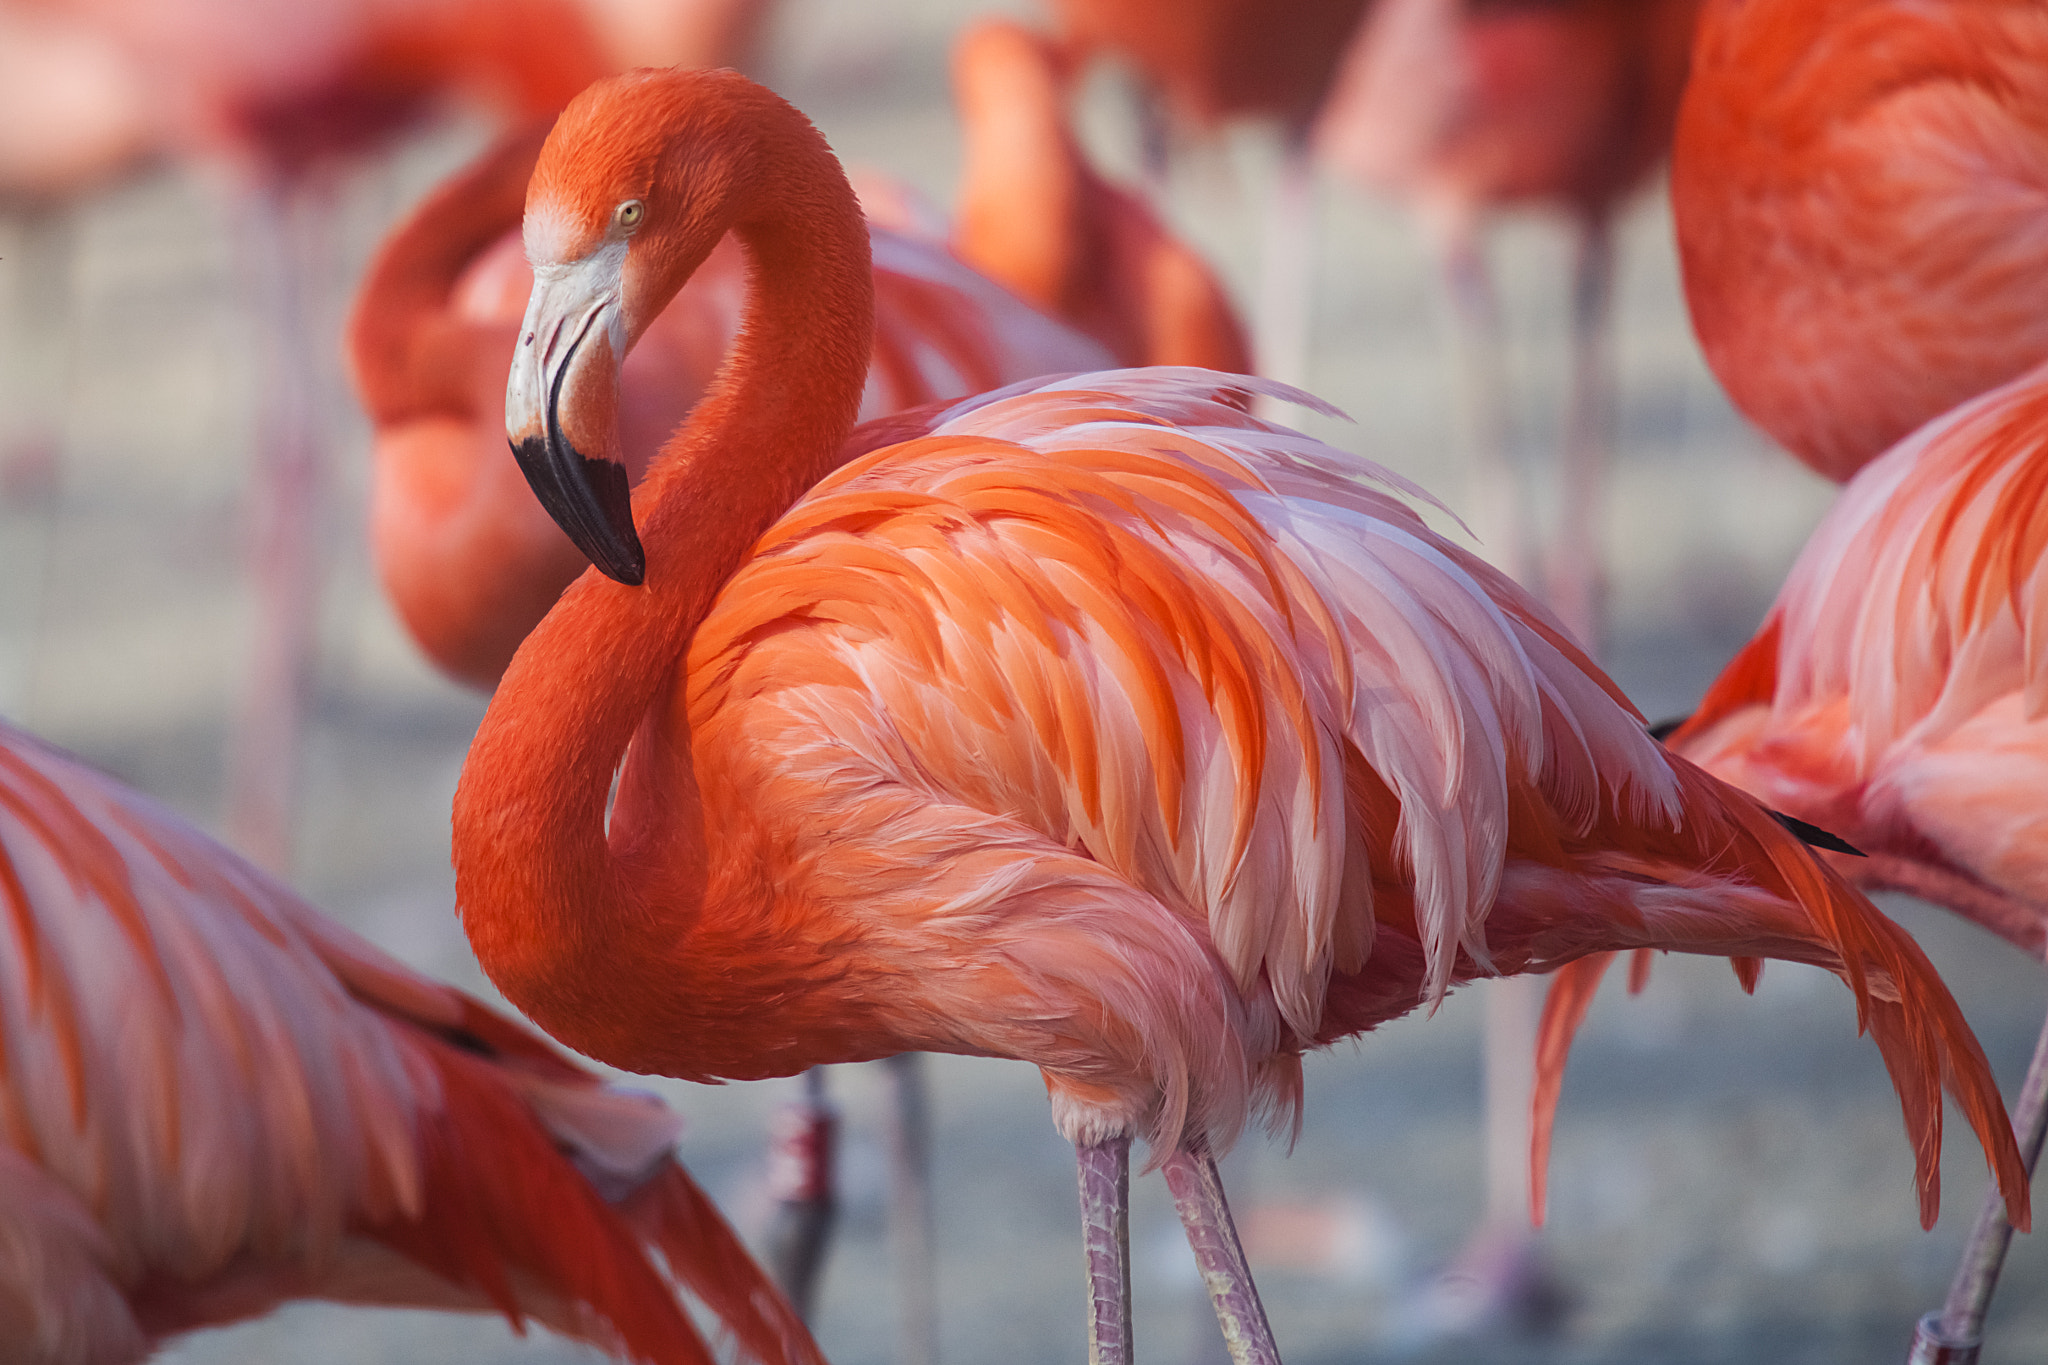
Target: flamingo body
(1861,195)
(215,1100)
(1465,106)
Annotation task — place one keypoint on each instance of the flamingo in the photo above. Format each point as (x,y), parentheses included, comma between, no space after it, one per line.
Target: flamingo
(1860,189)
(1034,215)
(1104,726)
(216,1100)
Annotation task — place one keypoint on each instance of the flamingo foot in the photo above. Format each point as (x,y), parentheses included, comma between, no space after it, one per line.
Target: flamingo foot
(801,1140)
(1954,1335)
(1105,1170)
(1197,1188)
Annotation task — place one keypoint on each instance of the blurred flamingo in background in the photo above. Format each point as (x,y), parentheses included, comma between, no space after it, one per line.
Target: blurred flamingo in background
(1034,215)
(1897,696)
(1462,108)
(216,1100)
(1861,195)
(1214,61)
(1105,726)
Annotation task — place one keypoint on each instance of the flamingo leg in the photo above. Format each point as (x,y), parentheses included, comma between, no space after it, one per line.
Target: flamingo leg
(1954,1335)
(1105,1170)
(263,761)
(910,1210)
(1197,1189)
(1287,266)
(1498,506)
(801,1141)
(1573,571)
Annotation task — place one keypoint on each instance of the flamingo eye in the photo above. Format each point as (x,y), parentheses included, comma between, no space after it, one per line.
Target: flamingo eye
(628,215)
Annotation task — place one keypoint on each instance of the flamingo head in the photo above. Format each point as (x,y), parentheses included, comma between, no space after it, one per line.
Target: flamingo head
(635,186)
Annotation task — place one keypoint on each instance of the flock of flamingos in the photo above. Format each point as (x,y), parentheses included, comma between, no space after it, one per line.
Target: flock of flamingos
(941,686)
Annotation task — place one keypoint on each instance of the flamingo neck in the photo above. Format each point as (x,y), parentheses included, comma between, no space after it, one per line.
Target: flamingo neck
(585,932)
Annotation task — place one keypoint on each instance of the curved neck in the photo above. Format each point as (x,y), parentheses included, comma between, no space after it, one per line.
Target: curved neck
(400,328)
(552,910)
(1021,195)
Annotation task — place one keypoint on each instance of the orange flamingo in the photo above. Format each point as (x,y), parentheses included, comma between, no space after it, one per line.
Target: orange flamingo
(1861,195)
(1897,694)
(216,1100)
(1104,726)
(1034,214)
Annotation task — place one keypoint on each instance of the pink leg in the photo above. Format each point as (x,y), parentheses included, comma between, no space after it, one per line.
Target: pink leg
(285,246)
(1197,1190)
(1573,572)
(1955,1334)
(1105,1170)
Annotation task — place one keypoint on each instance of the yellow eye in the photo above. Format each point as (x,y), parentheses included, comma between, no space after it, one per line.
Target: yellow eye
(629,214)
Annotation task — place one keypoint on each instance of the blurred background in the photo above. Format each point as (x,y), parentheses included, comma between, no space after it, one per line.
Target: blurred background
(1730,1180)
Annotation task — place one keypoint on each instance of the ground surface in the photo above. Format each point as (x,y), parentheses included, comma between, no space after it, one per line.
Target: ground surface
(1730,1181)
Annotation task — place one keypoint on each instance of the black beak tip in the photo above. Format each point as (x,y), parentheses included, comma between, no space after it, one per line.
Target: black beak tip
(591,500)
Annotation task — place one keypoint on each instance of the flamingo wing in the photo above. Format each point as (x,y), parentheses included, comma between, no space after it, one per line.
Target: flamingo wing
(212,1100)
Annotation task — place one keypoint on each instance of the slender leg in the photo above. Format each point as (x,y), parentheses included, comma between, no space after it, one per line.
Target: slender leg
(1955,1334)
(1573,569)
(1197,1190)
(1498,505)
(801,1139)
(1105,1170)
(263,764)
(910,1211)
(1287,267)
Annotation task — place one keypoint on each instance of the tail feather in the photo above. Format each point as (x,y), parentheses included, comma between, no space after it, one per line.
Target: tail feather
(674,1214)
(1571,994)
(1920,1031)
(506,1215)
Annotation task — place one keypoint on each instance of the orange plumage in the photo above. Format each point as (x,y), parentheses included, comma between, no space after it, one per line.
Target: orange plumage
(213,1100)
(1861,195)
(1104,726)
(1034,215)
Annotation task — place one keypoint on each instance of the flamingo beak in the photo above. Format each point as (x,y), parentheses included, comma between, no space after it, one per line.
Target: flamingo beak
(562,404)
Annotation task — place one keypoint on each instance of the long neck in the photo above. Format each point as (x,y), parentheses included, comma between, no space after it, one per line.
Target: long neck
(1021,194)
(558,918)
(402,345)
